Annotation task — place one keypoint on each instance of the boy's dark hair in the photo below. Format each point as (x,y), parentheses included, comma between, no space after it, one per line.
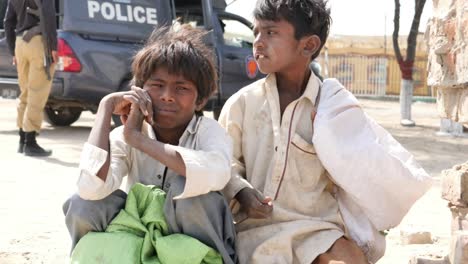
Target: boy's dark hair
(308,17)
(180,51)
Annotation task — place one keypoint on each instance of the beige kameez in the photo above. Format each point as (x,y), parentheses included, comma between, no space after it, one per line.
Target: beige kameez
(275,155)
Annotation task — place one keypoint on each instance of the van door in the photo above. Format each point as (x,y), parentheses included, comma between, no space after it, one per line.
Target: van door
(235,47)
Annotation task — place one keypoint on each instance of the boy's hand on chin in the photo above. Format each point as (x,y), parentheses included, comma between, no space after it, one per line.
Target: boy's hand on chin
(132,126)
(121,102)
(254,204)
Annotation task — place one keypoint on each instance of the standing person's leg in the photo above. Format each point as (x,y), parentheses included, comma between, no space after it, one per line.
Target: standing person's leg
(22,67)
(206,217)
(38,93)
(83,216)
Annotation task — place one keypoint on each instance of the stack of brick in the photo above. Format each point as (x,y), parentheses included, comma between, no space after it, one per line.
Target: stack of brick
(455,191)
(447,38)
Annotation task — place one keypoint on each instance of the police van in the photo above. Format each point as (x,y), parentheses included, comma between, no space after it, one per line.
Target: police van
(97,39)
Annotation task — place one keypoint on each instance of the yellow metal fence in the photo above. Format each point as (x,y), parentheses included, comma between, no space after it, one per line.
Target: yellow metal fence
(373,75)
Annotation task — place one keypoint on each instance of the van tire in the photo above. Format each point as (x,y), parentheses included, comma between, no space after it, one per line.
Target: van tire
(64,116)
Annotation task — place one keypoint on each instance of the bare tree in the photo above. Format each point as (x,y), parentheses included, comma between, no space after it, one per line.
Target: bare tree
(406,65)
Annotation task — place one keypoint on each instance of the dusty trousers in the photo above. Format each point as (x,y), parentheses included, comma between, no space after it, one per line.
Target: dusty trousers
(33,83)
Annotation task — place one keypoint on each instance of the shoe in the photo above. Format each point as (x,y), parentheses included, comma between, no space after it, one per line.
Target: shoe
(31,148)
(21,141)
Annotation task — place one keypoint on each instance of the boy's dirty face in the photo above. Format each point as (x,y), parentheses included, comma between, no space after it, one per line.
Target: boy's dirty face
(275,48)
(174,99)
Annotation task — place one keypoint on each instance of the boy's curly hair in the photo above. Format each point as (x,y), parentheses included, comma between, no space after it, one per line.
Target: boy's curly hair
(308,17)
(181,51)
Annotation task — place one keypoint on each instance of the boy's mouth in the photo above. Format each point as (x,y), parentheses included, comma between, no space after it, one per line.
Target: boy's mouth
(166,110)
(259,56)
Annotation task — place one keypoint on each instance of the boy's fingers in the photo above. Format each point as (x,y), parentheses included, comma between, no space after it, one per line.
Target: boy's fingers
(149,109)
(131,98)
(268,200)
(145,100)
(262,211)
(263,199)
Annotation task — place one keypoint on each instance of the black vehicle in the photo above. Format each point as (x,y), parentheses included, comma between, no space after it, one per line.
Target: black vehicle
(98,38)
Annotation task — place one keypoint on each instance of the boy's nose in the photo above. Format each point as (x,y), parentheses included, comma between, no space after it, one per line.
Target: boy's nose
(258,41)
(166,95)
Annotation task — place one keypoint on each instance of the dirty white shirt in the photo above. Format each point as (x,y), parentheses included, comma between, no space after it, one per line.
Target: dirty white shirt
(205,148)
(276,156)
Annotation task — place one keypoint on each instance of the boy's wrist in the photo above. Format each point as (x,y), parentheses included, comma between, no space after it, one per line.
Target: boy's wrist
(107,104)
(134,138)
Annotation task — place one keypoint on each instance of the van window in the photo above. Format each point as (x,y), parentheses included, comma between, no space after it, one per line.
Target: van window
(191,18)
(236,33)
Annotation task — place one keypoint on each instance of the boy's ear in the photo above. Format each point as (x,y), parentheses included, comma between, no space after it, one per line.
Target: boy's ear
(200,104)
(310,45)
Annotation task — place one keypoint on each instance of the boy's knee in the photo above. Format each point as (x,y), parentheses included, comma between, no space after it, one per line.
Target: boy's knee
(78,210)
(343,250)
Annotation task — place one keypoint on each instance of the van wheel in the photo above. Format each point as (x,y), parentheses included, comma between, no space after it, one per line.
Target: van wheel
(63,116)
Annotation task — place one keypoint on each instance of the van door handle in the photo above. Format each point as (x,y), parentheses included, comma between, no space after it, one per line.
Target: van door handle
(231,56)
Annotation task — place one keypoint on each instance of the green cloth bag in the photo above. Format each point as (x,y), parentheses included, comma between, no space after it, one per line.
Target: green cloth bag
(139,234)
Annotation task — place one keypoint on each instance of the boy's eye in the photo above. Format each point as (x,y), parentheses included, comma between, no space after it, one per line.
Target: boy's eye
(156,85)
(181,88)
(269,32)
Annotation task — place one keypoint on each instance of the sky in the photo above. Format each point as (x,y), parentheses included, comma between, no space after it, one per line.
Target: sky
(358,17)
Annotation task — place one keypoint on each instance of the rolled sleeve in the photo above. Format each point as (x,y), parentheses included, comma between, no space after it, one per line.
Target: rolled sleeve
(90,186)
(208,168)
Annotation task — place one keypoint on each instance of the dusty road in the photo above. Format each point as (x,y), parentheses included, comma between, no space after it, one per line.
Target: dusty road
(32,190)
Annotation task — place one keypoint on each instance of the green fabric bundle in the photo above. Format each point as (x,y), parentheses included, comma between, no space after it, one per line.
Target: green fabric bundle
(139,234)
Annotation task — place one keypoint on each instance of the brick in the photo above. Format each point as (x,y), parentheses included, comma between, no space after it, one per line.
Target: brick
(409,237)
(459,248)
(459,219)
(463,103)
(447,102)
(429,260)
(455,186)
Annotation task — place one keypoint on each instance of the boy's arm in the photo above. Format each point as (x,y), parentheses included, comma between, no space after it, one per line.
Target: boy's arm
(164,153)
(97,179)
(252,202)
(206,169)
(99,135)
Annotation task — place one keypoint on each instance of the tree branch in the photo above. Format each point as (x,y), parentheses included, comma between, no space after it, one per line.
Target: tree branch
(396,29)
(413,35)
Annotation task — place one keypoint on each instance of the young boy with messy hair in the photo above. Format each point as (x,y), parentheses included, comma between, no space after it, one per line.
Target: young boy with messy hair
(164,142)
(301,145)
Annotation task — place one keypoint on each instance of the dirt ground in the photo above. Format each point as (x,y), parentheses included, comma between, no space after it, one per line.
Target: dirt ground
(32,190)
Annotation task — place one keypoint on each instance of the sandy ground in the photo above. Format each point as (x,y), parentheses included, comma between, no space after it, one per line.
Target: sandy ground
(32,190)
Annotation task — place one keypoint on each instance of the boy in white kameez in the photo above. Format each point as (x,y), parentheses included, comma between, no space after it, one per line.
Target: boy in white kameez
(288,211)
(164,142)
